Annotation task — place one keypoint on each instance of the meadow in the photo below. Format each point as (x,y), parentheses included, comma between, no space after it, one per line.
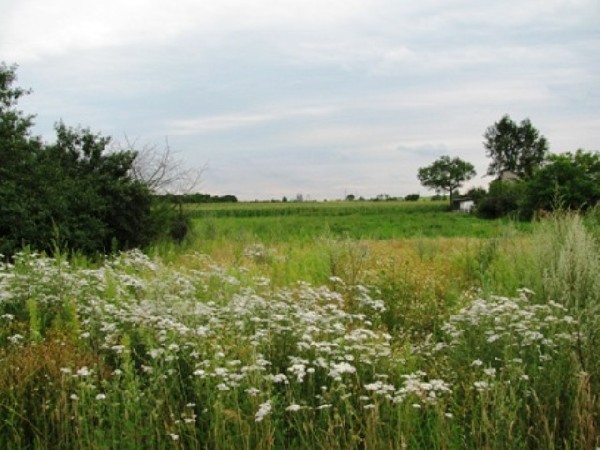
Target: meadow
(368,325)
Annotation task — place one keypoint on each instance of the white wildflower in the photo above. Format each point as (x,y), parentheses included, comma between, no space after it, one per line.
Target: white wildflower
(84,372)
(481,385)
(263,410)
(490,372)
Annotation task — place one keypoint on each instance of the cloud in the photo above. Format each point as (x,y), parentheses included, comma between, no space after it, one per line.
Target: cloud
(305,95)
(233,121)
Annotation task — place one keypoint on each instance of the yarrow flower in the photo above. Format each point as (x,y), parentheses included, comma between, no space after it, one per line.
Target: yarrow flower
(263,410)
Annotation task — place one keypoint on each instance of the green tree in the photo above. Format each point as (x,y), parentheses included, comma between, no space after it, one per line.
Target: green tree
(18,151)
(572,179)
(505,197)
(73,191)
(446,174)
(516,148)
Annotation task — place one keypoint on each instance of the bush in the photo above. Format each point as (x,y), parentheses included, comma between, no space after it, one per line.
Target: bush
(71,194)
(571,179)
(504,198)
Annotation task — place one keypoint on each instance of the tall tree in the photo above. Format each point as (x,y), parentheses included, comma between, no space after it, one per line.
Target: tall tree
(446,174)
(516,148)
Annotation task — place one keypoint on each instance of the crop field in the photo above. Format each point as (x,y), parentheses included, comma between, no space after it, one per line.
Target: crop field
(278,222)
(310,326)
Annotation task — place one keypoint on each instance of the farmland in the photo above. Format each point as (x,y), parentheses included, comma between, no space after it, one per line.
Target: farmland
(316,325)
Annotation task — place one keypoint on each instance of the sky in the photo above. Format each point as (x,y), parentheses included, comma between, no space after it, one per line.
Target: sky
(274,98)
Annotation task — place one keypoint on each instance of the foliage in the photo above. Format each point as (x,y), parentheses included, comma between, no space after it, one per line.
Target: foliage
(504,198)
(412,197)
(514,148)
(139,353)
(446,174)
(571,178)
(477,194)
(72,193)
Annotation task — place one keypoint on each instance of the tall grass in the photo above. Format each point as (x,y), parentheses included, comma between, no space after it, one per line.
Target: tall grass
(423,344)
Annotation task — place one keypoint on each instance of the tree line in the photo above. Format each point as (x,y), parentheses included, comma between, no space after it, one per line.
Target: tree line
(528,178)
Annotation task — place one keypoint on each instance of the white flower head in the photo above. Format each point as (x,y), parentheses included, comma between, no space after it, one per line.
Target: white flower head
(263,411)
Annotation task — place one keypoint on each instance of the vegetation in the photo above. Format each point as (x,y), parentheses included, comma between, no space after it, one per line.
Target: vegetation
(423,343)
(514,148)
(531,182)
(573,179)
(337,325)
(446,174)
(72,193)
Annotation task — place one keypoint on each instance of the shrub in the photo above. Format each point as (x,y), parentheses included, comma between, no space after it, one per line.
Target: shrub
(504,198)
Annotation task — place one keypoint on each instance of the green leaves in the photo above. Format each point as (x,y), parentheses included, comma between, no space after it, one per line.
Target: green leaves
(446,174)
(514,148)
(72,193)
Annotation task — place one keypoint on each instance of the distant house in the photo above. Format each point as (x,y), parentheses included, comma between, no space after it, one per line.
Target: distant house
(463,204)
(507,175)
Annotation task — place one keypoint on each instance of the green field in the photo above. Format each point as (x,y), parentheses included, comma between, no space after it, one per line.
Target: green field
(338,325)
(275,222)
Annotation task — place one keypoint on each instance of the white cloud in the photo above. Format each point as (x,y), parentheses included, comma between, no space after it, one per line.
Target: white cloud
(306,95)
(228,122)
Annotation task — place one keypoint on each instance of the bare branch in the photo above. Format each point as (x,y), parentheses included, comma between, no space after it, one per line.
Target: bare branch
(162,171)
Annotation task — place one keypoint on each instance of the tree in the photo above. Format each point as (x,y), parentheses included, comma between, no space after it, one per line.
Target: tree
(73,193)
(516,148)
(446,174)
(162,171)
(17,155)
(570,179)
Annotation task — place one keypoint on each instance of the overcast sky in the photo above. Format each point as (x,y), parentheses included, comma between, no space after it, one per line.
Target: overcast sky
(323,98)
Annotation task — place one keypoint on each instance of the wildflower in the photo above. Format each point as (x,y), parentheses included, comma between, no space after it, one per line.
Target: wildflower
(174,437)
(279,378)
(253,392)
(101,397)
(74,397)
(118,349)
(293,408)
(340,368)
(490,372)
(481,385)
(84,372)
(15,339)
(263,410)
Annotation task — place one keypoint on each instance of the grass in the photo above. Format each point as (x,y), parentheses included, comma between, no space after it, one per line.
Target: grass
(277,222)
(321,341)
